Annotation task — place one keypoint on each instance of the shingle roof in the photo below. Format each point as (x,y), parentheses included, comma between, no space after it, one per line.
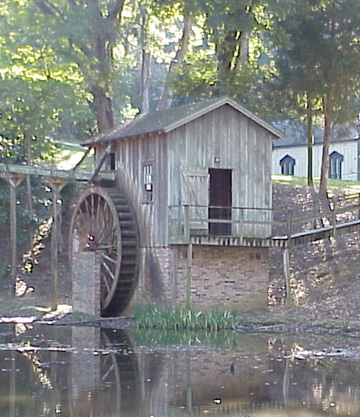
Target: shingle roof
(168,120)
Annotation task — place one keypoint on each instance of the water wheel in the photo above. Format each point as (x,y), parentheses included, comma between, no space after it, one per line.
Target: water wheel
(104,222)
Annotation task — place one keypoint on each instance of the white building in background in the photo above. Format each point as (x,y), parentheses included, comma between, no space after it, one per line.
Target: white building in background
(344,161)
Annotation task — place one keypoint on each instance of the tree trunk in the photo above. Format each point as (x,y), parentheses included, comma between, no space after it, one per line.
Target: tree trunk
(145,82)
(310,144)
(243,52)
(103,108)
(29,161)
(326,151)
(167,95)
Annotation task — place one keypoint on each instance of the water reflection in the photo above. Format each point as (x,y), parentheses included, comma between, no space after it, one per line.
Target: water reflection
(85,371)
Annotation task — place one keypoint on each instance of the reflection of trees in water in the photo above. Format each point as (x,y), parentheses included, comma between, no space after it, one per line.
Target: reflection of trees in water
(330,384)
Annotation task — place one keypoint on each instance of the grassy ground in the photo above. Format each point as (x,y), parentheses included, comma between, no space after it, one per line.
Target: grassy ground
(334,186)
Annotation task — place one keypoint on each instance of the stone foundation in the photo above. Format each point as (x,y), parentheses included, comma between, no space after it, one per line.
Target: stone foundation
(221,276)
(86,295)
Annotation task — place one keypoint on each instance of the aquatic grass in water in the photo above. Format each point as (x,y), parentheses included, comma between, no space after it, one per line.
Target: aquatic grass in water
(159,337)
(177,318)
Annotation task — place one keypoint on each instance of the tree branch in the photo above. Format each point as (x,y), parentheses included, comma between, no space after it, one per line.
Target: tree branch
(88,52)
(116,9)
(48,8)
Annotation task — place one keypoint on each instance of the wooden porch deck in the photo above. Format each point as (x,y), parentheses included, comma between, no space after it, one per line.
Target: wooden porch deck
(285,241)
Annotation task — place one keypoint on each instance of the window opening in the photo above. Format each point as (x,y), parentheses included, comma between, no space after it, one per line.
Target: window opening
(335,165)
(287,165)
(148,182)
(112,161)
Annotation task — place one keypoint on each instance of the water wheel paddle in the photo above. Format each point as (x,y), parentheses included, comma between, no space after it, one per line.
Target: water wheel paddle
(104,222)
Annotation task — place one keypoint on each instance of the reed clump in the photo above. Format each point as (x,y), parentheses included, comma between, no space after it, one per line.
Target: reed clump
(180,318)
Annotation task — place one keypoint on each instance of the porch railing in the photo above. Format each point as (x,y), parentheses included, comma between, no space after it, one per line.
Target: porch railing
(186,221)
(189,220)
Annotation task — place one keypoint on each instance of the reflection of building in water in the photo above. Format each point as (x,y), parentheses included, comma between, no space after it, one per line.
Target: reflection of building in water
(104,373)
(95,372)
(85,365)
(190,379)
(255,377)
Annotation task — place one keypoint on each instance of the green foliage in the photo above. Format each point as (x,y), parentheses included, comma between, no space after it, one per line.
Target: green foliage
(4,203)
(69,69)
(177,318)
(317,56)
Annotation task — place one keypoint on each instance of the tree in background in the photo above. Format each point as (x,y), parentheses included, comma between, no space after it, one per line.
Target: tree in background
(84,65)
(317,53)
(225,53)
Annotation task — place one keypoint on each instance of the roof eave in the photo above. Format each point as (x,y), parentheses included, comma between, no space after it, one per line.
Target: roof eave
(113,138)
(226,100)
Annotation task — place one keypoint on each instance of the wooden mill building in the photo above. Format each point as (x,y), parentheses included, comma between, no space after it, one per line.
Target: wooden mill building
(197,180)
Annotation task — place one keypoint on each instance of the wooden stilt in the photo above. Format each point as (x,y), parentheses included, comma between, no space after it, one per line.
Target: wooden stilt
(14,181)
(189,275)
(188,257)
(56,185)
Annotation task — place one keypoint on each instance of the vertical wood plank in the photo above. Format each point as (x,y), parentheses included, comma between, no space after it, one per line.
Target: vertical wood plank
(56,185)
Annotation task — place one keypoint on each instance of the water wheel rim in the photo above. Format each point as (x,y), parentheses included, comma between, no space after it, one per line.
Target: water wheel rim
(100,233)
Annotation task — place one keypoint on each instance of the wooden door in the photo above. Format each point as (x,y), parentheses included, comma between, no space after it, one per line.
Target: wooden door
(195,194)
(220,200)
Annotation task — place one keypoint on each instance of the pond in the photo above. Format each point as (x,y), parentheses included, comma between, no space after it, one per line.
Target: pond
(87,371)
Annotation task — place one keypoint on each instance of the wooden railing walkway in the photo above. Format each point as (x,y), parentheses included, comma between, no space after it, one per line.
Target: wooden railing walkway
(266,227)
(49,172)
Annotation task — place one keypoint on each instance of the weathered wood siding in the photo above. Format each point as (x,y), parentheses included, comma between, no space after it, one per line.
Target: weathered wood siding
(241,145)
(181,159)
(132,155)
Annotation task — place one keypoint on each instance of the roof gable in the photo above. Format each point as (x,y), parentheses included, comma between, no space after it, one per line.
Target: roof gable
(168,120)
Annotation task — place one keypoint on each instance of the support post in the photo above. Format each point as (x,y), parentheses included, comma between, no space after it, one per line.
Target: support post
(189,274)
(286,263)
(289,223)
(286,260)
(241,223)
(56,185)
(14,181)
(188,257)
(334,219)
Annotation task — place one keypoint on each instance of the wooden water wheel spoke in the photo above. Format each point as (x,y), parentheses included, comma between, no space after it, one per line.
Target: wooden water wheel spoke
(107,233)
(97,222)
(107,244)
(106,281)
(105,224)
(107,257)
(98,217)
(87,208)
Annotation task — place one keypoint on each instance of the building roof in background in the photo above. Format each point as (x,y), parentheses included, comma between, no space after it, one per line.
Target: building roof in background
(168,120)
(289,143)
